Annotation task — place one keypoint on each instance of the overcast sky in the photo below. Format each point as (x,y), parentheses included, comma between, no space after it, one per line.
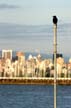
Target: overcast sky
(33,12)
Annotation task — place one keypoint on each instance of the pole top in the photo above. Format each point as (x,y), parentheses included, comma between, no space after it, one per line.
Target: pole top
(55,20)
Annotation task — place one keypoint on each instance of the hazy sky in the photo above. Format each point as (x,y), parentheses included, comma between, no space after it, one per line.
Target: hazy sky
(34,11)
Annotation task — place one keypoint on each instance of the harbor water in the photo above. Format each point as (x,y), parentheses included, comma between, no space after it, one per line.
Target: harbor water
(34,96)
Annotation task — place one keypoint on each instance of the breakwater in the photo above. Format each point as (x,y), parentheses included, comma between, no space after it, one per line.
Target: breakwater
(42,81)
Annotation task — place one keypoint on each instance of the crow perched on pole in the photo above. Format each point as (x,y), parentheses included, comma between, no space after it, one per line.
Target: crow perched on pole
(55,61)
(55,19)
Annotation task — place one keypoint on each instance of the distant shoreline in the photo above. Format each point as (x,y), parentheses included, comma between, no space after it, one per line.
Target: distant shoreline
(35,81)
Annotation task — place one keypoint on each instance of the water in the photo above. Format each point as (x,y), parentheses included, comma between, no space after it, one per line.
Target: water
(33,96)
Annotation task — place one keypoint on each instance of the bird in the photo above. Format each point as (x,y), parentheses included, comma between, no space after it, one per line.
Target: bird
(55,19)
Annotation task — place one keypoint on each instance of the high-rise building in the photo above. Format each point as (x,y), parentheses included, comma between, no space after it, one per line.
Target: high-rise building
(7,54)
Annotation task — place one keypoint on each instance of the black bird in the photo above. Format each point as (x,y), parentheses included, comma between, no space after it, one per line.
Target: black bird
(55,19)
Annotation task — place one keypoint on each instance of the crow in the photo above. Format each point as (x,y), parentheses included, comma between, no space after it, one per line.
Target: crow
(55,19)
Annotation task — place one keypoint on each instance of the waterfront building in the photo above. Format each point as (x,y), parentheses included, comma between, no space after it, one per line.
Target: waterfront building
(69,68)
(60,62)
(30,66)
(51,68)
(47,67)
(64,71)
(15,67)
(50,63)
(0,68)
(21,64)
(7,54)
(37,67)
(9,70)
(42,68)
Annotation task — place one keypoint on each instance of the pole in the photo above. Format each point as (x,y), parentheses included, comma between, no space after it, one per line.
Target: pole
(55,62)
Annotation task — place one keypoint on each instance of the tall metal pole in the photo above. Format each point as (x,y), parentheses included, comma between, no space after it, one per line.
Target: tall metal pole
(55,62)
